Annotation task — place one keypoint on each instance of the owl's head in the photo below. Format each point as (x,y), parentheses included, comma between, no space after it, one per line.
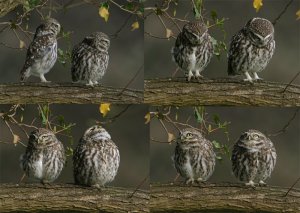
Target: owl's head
(253,139)
(189,136)
(42,137)
(260,31)
(99,40)
(50,26)
(195,32)
(96,133)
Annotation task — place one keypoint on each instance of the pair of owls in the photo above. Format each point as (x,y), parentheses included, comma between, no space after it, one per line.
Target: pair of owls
(89,58)
(253,157)
(95,161)
(250,50)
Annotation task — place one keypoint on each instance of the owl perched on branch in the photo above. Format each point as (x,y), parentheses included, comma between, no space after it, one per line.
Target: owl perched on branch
(194,156)
(96,159)
(251,49)
(253,158)
(90,59)
(193,49)
(44,157)
(42,52)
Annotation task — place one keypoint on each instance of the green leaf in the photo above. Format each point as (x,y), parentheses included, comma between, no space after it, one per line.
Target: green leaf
(219,158)
(198,115)
(209,128)
(197,8)
(44,119)
(216,144)
(129,6)
(61,120)
(216,119)
(214,15)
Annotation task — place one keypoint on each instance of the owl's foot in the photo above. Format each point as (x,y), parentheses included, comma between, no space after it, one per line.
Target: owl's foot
(189,181)
(198,76)
(201,182)
(97,186)
(43,79)
(262,183)
(90,83)
(46,184)
(256,77)
(251,184)
(248,78)
(189,76)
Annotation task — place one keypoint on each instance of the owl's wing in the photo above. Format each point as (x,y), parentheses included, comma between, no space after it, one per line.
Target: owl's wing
(234,52)
(37,49)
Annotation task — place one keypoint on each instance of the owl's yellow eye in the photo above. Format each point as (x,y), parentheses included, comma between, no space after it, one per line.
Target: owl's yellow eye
(189,135)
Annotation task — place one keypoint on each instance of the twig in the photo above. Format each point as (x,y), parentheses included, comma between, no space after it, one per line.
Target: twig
(112,119)
(292,187)
(132,79)
(122,8)
(158,141)
(140,184)
(116,34)
(282,12)
(291,82)
(154,36)
(285,127)
(16,48)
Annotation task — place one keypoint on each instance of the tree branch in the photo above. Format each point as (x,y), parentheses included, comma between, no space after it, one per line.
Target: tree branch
(224,92)
(31,93)
(70,198)
(224,197)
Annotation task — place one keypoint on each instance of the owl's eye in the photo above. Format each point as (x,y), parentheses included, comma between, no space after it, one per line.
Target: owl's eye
(189,135)
(255,137)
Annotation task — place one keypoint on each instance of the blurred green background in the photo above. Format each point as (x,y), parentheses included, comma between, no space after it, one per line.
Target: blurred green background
(126,51)
(283,66)
(128,131)
(264,119)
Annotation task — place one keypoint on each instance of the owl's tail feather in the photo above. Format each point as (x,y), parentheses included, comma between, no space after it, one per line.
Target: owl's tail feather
(230,70)
(23,76)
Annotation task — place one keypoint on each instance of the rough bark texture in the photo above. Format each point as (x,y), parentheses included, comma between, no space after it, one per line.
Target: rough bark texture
(70,198)
(31,93)
(225,197)
(221,92)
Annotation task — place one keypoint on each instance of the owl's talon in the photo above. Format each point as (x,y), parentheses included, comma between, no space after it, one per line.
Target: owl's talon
(262,183)
(251,184)
(256,77)
(189,181)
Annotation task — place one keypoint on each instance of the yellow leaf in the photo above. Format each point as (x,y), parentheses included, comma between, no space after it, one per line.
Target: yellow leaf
(22,44)
(103,12)
(169,33)
(147,117)
(16,139)
(135,26)
(171,137)
(298,15)
(209,128)
(104,108)
(257,4)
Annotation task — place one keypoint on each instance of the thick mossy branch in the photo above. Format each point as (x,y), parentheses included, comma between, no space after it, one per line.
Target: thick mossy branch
(31,93)
(221,92)
(224,197)
(70,198)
